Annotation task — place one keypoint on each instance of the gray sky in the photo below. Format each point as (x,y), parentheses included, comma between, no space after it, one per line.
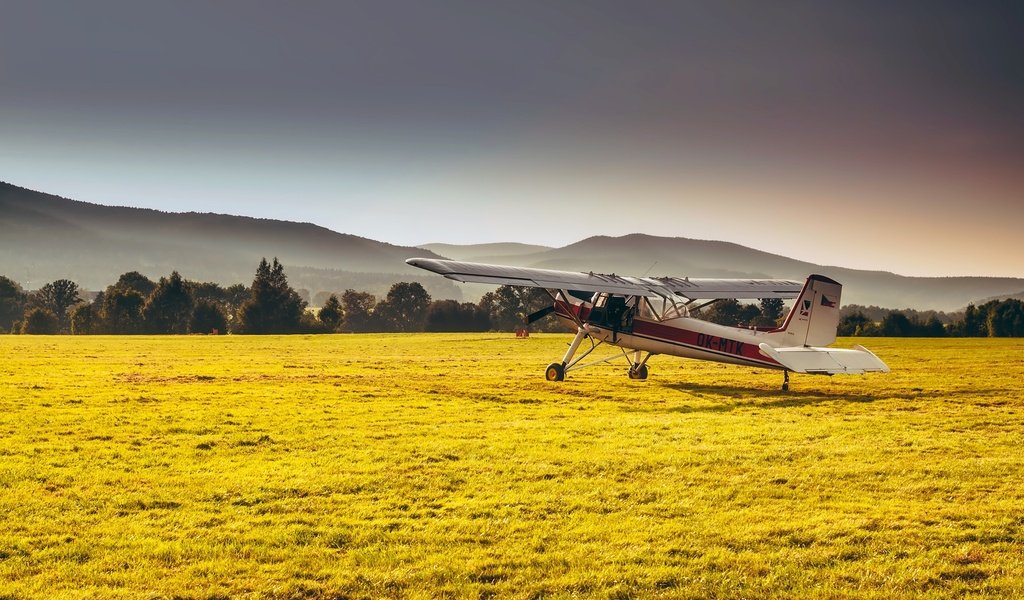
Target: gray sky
(865,134)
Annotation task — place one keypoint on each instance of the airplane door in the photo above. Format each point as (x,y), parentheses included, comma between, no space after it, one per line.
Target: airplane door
(613,312)
(599,310)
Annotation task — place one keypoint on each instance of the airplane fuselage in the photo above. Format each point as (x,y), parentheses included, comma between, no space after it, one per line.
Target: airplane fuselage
(690,338)
(685,337)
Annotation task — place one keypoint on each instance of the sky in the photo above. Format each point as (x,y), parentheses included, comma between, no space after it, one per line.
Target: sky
(874,135)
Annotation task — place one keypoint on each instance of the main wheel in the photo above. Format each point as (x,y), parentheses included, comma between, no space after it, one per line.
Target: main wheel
(555,372)
(640,373)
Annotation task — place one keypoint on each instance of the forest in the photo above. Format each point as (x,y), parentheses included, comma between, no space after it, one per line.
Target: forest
(135,304)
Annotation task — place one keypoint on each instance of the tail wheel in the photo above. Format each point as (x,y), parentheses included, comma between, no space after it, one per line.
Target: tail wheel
(640,373)
(555,372)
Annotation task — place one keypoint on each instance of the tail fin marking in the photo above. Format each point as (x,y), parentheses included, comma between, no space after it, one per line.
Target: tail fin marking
(815,315)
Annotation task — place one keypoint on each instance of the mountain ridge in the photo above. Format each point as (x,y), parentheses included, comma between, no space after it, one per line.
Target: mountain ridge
(45,237)
(657,256)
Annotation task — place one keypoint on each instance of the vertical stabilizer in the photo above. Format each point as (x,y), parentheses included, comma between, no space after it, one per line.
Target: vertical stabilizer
(815,314)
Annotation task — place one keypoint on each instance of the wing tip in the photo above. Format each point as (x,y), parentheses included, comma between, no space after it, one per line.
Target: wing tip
(427,264)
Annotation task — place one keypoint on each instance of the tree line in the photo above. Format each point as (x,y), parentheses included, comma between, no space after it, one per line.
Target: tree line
(995,318)
(135,304)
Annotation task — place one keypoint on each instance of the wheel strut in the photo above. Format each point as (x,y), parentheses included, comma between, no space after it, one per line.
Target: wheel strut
(556,371)
(785,380)
(637,367)
(574,346)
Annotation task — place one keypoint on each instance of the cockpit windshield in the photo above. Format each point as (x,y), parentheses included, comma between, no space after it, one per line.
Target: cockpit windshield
(663,309)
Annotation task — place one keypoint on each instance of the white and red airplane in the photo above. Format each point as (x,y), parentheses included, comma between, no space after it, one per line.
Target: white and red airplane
(652,315)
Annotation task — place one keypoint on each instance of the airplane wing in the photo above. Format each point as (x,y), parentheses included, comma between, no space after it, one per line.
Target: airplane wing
(731,288)
(825,361)
(693,289)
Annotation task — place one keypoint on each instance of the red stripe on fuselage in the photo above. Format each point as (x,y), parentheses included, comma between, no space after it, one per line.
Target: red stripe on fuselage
(747,350)
(725,346)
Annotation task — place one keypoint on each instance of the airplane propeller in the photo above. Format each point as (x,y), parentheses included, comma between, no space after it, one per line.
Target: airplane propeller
(540,314)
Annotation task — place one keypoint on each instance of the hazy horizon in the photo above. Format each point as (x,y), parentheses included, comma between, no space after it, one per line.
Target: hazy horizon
(871,136)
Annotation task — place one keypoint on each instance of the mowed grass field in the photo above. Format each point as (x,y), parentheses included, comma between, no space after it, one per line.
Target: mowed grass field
(445,466)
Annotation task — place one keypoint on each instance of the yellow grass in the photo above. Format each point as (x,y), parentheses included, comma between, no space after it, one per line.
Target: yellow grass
(444,465)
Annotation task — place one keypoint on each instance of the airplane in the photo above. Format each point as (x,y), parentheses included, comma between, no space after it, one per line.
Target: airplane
(648,316)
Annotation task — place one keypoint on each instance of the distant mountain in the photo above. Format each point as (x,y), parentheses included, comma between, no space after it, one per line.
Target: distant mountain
(1017,296)
(45,237)
(485,252)
(639,254)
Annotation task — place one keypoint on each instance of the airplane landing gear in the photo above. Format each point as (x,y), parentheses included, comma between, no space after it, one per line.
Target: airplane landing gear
(785,381)
(638,372)
(637,367)
(570,362)
(555,372)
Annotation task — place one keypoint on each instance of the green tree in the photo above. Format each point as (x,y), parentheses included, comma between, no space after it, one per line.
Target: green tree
(508,306)
(273,306)
(749,314)
(730,312)
(1006,319)
(870,329)
(84,320)
(234,296)
(974,324)
(330,314)
(207,317)
(12,303)
(896,324)
(770,312)
(358,310)
(405,307)
(450,315)
(205,290)
(133,280)
(852,324)
(169,306)
(58,297)
(933,327)
(40,321)
(229,299)
(121,310)
(503,307)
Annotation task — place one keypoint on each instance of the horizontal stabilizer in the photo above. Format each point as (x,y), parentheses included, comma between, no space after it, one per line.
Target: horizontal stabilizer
(825,361)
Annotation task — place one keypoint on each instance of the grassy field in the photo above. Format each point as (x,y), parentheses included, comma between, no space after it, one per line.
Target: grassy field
(444,465)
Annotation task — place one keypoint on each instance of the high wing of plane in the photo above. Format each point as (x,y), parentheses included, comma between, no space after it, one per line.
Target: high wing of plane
(692,289)
(652,315)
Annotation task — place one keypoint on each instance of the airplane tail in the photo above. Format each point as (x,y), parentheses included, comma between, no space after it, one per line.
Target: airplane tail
(812,323)
(814,318)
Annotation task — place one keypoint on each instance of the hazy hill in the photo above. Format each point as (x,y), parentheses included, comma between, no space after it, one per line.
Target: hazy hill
(485,252)
(639,254)
(1017,296)
(45,237)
